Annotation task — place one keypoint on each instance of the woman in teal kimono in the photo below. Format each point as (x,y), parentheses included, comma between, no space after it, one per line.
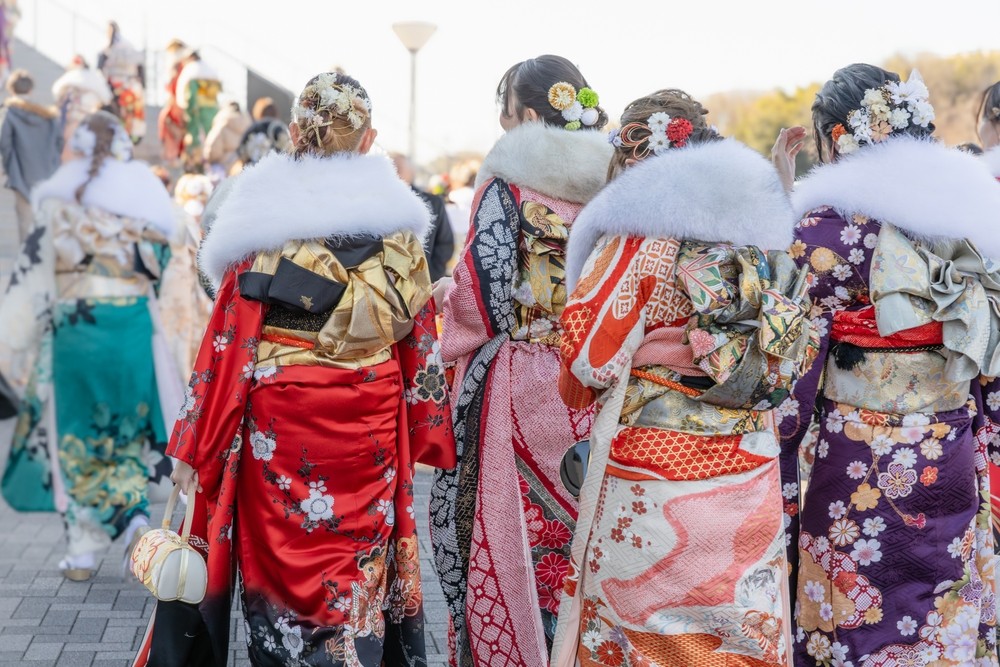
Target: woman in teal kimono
(77,346)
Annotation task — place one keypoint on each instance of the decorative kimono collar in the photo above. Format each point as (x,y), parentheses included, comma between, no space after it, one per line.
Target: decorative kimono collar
(283,198)
(127,189)
(567,165)
(718,192)
(926,188)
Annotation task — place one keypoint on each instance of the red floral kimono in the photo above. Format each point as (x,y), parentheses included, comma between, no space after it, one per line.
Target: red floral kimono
(303,424)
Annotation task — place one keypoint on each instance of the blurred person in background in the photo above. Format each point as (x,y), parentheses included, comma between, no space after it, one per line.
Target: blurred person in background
(439,244)
(267,133)
(461,194)
(124,68)
(171,123)
(198,88)
(80,343)
(10,14)
(223,140)
(183,293)
(80,91)
(30,144)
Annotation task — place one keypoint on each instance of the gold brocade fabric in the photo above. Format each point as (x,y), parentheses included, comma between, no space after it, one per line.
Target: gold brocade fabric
(886,381)
(649,404)
(540,295)
(376,310)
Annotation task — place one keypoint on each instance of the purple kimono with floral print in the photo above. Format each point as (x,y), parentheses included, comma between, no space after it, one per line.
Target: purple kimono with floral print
(885,462)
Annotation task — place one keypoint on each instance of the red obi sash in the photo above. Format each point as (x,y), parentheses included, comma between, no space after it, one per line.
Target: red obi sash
(858,327)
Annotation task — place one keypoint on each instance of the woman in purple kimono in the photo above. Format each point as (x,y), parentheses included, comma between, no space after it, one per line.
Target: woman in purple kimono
(895,552)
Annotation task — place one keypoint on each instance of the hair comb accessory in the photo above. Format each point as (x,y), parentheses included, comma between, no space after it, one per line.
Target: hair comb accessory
(656,135)
(891,108)
(578,107)
(338,100)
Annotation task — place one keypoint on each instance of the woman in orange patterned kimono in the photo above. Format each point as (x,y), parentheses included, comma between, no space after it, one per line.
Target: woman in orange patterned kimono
(321,355)
(690,327)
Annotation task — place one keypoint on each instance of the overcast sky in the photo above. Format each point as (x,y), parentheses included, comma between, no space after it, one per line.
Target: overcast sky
(624,51)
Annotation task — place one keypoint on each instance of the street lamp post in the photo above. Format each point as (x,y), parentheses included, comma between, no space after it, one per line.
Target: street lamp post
(413,35)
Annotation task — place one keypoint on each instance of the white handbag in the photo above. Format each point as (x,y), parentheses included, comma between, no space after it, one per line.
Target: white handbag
(166,563)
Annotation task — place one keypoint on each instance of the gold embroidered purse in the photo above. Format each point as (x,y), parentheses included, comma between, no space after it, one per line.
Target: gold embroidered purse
(167,564)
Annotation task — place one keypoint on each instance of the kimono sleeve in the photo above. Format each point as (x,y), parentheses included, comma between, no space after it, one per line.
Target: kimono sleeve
(216,396)
(479,303)
(604,320)
(838,253)
(428,412)
(986,425)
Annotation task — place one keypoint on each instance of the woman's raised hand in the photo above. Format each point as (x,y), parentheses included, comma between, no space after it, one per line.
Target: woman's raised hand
(788,144)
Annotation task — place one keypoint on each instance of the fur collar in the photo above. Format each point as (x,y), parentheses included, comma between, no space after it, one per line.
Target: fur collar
(924,187)
(992,159)
(85,79)
(283,199)
(567,165)
(124,188)
(719,192)
(31,107)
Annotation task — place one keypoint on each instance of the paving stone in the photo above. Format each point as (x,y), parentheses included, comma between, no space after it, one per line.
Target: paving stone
(43,651)
(77,659)
(45,619)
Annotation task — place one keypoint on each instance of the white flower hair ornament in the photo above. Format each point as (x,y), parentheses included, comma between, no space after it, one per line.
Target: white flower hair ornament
(883,112)
(578,107)
(339,100)
(659,133)
(84,141)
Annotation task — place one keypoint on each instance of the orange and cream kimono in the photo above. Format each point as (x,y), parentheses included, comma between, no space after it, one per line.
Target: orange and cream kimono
(679,554)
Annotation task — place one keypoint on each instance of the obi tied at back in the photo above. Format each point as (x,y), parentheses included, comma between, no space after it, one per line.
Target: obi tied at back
(950,284)
(342,301)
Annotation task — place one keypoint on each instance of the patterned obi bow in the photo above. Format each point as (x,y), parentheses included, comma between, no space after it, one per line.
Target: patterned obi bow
(751,332)
(951,283)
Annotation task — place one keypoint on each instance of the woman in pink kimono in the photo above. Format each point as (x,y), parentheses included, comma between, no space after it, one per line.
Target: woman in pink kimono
(502,520)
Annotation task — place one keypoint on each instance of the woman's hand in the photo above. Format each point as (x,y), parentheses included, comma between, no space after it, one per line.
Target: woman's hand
(788,144)
(185,477)
(440,289)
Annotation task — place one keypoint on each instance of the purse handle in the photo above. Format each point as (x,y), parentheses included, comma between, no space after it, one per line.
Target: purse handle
(168,513)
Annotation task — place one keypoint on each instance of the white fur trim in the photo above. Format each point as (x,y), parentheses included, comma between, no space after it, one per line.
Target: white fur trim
(563,164)
(83,79)
(919,185)
(721,191)
(283,199)
(992,160)
(123,188)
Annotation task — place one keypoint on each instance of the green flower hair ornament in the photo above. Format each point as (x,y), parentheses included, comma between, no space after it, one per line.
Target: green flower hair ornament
(588,98)
(578,107)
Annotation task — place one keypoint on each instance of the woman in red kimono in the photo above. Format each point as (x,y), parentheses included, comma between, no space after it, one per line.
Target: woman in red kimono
(317,386)
(502,521)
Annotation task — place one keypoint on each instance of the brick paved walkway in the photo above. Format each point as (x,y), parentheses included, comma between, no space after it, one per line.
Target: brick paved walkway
(46,620)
